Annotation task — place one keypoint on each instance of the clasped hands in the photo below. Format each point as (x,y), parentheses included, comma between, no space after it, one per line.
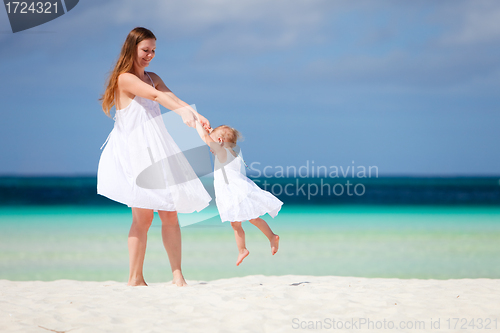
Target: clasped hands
(190,119)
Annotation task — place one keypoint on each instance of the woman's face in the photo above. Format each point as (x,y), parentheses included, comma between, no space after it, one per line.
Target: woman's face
(145,52)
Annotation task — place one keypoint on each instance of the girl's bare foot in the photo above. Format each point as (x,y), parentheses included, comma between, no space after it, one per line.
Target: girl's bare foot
(275,244)
(178,279)
(135,283)
(242,256)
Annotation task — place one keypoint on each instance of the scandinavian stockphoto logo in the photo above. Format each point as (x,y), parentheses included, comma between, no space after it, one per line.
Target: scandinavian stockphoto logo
(28,14)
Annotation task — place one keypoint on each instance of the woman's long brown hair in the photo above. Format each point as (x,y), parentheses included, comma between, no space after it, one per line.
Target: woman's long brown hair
(123,65)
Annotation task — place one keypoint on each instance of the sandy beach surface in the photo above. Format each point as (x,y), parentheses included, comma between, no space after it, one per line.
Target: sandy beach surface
(253,304)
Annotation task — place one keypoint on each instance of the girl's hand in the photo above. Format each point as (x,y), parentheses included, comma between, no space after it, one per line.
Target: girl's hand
(204,121)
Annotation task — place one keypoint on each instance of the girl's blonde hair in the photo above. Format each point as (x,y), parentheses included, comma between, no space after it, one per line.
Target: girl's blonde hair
(229,134)
(123,65)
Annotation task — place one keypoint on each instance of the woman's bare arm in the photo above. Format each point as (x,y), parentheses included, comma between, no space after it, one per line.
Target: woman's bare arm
(130,83)
(161,86)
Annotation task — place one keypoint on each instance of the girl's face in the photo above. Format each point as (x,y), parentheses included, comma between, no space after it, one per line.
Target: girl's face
(145,52)
(216,137)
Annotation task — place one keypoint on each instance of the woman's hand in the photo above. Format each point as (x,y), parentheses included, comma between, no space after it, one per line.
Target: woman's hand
(188,118)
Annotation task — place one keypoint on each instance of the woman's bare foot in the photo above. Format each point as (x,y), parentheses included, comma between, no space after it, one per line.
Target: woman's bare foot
(242,256)
(179,282)
(135,283)
(275,244)
(178,279)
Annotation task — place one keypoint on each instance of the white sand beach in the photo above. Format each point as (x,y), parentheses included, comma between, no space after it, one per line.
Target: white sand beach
(252,304)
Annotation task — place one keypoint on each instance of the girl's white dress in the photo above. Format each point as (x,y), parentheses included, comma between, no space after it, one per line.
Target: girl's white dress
(141,165)
(237,197)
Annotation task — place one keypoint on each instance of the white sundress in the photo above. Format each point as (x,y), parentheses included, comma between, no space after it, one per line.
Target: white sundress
(237,197)
(141,165)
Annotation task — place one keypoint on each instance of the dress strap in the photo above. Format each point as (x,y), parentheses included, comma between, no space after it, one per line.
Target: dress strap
(241,158)
(237,155)
(150,79)
(243,161)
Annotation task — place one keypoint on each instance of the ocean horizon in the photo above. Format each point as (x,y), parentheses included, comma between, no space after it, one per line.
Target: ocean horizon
(397,190)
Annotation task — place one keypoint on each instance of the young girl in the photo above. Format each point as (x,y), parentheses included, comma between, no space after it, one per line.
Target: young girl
(237,197)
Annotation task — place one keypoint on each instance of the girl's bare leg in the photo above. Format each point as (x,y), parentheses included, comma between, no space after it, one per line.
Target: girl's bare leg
(239,234)
(264,227)
(137,239)
(171,235)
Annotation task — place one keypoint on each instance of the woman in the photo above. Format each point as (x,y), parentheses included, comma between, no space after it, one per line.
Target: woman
(141,166)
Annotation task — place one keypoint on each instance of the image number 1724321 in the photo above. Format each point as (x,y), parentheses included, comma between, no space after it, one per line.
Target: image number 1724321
(24,15)
(32,7)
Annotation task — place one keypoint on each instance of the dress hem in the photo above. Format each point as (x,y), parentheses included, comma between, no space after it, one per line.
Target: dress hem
(251,218)
(156,209)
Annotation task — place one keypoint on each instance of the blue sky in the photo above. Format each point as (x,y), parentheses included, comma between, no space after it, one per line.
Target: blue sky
(410,87)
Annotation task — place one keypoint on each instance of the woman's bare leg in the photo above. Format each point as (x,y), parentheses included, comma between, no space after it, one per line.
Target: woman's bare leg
(239,235)
(264,227)
(137,239)
(171,234)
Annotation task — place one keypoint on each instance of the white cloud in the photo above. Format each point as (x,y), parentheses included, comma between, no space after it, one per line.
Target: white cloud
(222,25)
(245,26)
(228,32)
(403,69)
(470,22)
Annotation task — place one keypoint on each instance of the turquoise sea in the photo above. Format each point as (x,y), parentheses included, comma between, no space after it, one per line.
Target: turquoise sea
(50,242)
